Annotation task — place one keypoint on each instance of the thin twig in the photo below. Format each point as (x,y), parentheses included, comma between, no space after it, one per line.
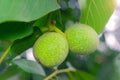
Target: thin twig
(58,72)
(5,54)
(59,31)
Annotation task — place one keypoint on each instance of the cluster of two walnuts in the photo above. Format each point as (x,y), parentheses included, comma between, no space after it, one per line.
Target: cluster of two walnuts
(52,48)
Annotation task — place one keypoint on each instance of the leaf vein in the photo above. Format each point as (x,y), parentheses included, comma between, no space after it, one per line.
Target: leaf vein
(89,6)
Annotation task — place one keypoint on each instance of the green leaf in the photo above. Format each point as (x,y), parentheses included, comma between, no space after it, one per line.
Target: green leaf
(14,71)
(42,23)
(37,77)
(15,30)
(9,72)
(21,45)
(96,13)
(4,45)
(25,10)
(80,75)
(30,66)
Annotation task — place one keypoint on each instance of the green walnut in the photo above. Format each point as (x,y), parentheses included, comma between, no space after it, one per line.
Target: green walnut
(51,49)
(82,39)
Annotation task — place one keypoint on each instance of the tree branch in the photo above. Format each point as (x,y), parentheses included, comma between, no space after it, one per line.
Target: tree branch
(58,72)
(5,54)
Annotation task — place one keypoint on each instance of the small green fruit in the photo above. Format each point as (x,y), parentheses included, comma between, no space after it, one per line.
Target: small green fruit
(51,49)
(82,39)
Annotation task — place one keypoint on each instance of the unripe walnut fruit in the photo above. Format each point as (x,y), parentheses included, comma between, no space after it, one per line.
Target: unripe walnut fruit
(51,49)
(82,39)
